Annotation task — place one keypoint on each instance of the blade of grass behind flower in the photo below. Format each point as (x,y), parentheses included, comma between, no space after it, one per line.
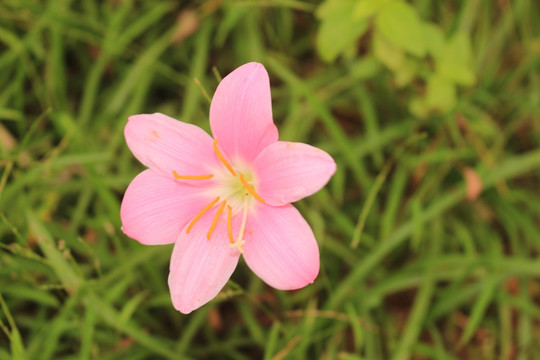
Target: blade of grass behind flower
(69,276)
(422,300)
(15,340)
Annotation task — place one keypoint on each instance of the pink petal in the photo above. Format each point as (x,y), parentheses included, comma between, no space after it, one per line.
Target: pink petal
(241,112)
(155,208)
(166,145)
(201,267)
(287,172)
(280,247)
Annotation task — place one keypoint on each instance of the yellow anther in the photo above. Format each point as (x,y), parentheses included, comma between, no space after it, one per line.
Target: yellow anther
(229,224)
(201,213)
(191,177)
(216,218)
(250,189)
(222,159)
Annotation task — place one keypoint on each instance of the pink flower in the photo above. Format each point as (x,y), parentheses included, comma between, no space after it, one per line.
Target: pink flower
(219,199)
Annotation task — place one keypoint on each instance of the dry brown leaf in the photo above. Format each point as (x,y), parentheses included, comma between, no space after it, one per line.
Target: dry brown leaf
(7,141)
(473,183)
(188,22)
(215,320)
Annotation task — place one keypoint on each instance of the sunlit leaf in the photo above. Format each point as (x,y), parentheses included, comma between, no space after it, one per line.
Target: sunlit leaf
(399,24)
(406,72)
(457,73)
(367,8)
(339,30)
(441,93)
(419,107)
(454,63)
(387,53)
(434,37)
(365,68)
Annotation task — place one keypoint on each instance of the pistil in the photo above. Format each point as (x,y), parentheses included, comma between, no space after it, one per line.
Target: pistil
(240,239)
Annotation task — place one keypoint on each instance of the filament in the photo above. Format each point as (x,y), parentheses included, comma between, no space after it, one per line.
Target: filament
(222,158)
(216,218)
(201,213)
(191,177)
(229,225)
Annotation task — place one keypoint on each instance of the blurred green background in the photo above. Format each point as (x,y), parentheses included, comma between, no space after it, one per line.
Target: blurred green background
(429,231)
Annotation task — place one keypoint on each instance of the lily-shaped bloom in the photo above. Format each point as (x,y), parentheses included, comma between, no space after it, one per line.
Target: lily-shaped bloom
(217,199)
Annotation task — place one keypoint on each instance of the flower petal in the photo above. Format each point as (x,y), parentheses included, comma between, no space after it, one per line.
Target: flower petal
(287,172)
(241,113)
(155,208)
(200,267)
(280,247)
(166,145)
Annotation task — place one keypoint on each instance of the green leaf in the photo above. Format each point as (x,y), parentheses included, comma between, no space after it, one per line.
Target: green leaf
(393,57)
(367,8)
(456,73)
(399,24)
(419,107)
(406,72)
(440,97)
(338,30)
(455,60)
(441,93)
(390,55)
(459,48)
(434,38)
(332,8)
(365,68)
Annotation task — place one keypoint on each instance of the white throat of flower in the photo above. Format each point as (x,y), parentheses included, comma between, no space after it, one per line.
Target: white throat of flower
(236,193)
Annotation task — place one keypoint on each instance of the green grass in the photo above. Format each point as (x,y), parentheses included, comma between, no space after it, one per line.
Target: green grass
(412,267)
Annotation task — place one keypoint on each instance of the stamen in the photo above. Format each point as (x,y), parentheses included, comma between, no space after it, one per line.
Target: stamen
(222,158)
(250,189)
(216,218)
(229,225)
(201,213)
(191,177)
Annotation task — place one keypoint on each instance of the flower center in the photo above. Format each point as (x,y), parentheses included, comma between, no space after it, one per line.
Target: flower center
(236,193)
